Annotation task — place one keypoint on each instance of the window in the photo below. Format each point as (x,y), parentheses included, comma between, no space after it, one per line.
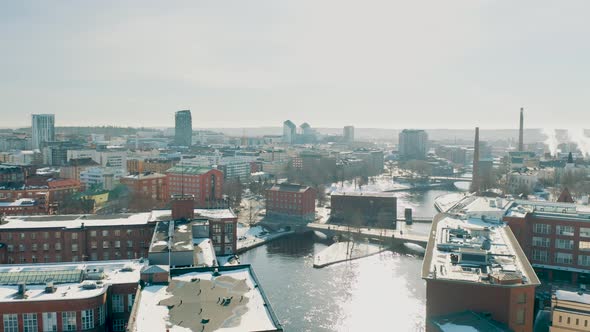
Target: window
(10,322)
(105,244)
(540,255)
(34,247)
(106,256)
(57,235)
(105,233)
(101,315)
(33,236)
(49,322)
(74,247)
(564,244)
(92,233)
(229,228)
(117,244)
(93,244)
(564,230)
(117,233)
(216,228)
(68,321)
(45,246)
(584,245)
(130,255)
(119,325)
(46,235)
(584,232)
(541,241)
(22,236)
(58,246)
(10,248)
(129,243)
(130,300)
(74,236)
(87,319)
(542,228)
(21,247)
(520,316)
(521,298)
(564,258)
(30,322)
(584,260)
(117,302)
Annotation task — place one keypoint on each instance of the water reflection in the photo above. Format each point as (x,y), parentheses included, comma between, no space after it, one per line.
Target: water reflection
(378,293)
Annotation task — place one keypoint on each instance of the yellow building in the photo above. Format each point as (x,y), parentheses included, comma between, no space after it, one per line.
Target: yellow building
(570,311)
(99,198)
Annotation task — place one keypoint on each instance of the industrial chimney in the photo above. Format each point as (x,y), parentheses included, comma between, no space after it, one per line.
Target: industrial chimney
(475,177)
(521,131)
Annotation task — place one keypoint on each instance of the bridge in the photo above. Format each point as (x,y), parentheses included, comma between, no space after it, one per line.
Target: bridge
(392,236)
(450,179)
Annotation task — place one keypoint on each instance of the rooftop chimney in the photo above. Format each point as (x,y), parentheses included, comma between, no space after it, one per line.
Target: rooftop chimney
(521,131)
(475,176)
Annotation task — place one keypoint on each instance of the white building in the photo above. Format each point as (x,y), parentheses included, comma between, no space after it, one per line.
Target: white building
(104,177)
(113,158)
(42,129)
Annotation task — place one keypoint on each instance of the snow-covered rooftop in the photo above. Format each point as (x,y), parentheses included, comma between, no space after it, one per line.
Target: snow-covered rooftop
(73,275)
(198,300)
(563,295)
(76,221)
(470,243)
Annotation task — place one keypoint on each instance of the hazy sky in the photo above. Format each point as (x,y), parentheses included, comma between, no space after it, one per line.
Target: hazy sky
(388,64)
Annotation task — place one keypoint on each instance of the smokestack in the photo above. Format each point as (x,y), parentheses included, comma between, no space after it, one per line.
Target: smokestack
(521,131)
(475,176)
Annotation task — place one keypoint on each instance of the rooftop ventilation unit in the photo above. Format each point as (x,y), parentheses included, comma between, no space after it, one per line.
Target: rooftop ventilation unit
(127,268)
(88,285)
(49,287)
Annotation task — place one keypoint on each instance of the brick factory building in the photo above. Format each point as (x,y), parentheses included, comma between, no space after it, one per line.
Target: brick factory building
(152,185)
(290,200)
(71,238)
(364,209)
(473,262)
(68,297)
(555,237)
(205,184)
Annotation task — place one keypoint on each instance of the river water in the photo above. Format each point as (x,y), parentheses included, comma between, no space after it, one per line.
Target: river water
(383,292)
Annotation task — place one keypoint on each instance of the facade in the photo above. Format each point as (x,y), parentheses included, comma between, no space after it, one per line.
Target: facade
(290,200)
(74,167)
(21,207)
(92,297)
(204,183)
(289,132)
(555,237)
(473,262)
(373,159)
(348,134)
(72,238)
(102,177)
(183,128)
(153,185)
(43,129)
(570,312)
(373,209)
(413,144)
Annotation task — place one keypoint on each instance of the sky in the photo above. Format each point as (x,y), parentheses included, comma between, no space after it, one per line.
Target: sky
(373,63)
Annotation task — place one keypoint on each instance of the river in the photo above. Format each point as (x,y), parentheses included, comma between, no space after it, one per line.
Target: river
(384,292)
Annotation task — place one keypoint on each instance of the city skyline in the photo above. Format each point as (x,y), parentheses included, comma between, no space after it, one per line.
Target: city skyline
(455,65)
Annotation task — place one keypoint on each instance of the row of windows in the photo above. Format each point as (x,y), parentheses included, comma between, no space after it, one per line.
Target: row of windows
(58,235)
(561,230)
(216,228)
(560,257)
(75,258)
(49,320)
(569,321)
(545,242)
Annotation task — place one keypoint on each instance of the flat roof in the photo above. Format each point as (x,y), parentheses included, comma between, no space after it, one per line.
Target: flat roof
(76,221)
(563,295)
(467,321)
(201,300)
(71,280)
(475,247)
(289,187)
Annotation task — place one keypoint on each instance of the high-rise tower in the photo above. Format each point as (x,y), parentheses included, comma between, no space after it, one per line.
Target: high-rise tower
(475,177)
(183,133)
(521,131)
(42,129)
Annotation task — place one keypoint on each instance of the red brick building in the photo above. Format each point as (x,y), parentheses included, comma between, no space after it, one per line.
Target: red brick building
(555,238)
(50,195)
(291,200)
(153,185)
(21,207)
(474,263)
(204,184)
(72,238)
(90,297)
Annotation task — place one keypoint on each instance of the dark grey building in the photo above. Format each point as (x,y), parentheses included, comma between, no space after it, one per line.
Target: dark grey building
(413,144)
(183,133)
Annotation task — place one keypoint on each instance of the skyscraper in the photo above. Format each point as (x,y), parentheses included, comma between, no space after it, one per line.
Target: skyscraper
(289,132)
(183,133)
(348,134)
(42,129)
(521,131)
(413,144)
(475,178)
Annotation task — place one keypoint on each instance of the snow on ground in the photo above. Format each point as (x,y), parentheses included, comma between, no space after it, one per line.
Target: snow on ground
(376,184)
(252,236)
(445,202)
